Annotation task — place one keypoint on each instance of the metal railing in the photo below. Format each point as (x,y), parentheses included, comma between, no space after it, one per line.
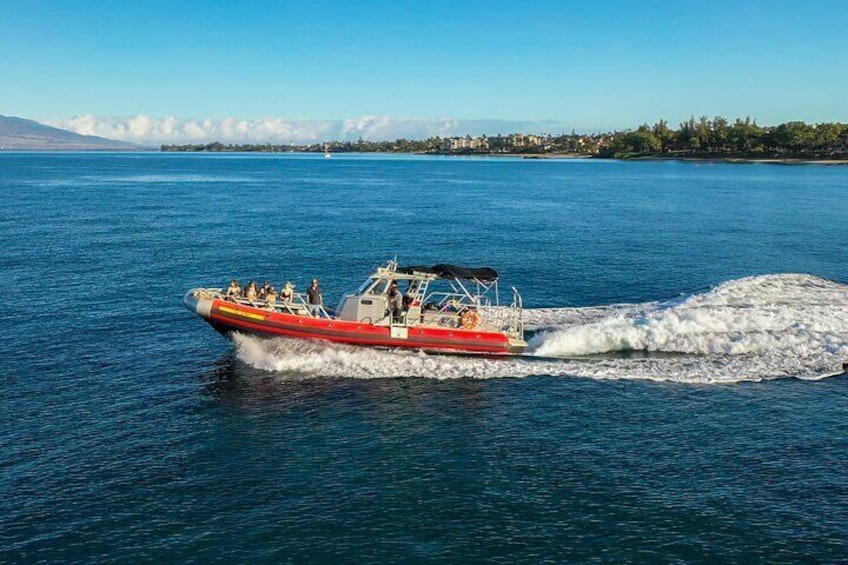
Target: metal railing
(296,305)
(449,307)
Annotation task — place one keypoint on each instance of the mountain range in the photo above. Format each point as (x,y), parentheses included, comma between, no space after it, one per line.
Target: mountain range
(19,134)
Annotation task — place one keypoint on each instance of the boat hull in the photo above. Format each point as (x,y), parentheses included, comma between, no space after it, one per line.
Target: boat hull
(227,317)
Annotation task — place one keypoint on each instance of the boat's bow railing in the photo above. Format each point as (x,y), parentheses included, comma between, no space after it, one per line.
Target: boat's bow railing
(297,305)
(206,292)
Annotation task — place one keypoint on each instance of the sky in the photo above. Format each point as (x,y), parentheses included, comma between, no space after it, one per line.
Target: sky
(176,71)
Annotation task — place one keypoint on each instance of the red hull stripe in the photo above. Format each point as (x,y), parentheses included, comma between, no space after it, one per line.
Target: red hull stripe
(361,339)
(257,321)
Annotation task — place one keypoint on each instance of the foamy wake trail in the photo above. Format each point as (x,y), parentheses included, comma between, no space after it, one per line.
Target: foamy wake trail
(753,328)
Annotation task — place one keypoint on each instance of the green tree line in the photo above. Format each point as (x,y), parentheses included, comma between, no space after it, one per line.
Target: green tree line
(704,137)
(719,138)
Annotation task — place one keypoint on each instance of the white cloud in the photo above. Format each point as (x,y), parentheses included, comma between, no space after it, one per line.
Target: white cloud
(146,130)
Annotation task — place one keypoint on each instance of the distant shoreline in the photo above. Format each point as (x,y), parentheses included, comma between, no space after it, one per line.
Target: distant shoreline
(581,156)
(736,160)
(739,160)
(527,156)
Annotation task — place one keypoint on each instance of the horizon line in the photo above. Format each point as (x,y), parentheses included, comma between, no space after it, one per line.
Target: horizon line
(150,131)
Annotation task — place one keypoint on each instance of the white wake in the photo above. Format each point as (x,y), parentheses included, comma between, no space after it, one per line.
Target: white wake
(753,328)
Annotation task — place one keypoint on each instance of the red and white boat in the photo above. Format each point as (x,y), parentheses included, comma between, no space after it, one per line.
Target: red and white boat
(446,309)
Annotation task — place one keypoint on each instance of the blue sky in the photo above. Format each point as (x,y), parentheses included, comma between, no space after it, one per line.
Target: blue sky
(587,65)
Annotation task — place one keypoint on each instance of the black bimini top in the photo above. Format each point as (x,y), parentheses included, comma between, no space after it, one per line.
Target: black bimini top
(484,274)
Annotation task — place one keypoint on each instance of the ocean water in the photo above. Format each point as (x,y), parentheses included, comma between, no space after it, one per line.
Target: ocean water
(683,399)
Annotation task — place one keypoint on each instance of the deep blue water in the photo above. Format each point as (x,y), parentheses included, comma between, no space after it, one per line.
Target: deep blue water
(131,431)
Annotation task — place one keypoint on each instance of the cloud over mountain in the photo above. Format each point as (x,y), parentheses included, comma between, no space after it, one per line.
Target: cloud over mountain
(19,134)
(146,130)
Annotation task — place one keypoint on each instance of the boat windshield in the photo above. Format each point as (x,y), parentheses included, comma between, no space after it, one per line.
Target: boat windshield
(380,287)
(372,286)
(364,286)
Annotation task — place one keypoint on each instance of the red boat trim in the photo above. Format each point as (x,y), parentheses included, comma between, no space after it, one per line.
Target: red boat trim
(263,322)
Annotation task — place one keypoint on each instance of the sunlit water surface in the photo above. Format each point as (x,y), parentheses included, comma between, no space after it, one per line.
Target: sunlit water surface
(683,399)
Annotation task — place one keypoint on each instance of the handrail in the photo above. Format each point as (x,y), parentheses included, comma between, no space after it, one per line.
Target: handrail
(459,298)
(297,305)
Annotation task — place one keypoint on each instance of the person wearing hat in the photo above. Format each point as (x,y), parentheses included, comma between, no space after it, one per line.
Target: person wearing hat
(271,297)
(287,292)
(314,298)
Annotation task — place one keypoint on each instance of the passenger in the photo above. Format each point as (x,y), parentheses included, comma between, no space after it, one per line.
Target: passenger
(314,298)
(396,302)
(234,289)
(287,293)
(251,293)
(266,288)
(271,296)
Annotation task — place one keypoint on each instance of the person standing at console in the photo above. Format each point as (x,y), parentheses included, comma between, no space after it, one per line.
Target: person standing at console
(396,303)
(314,298)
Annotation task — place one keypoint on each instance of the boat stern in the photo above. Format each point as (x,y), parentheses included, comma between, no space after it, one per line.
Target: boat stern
(516,346)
